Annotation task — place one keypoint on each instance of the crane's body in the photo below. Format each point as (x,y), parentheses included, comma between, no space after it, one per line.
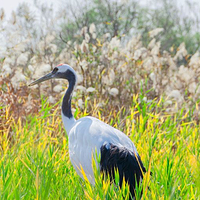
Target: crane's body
(89,135)
(102,134)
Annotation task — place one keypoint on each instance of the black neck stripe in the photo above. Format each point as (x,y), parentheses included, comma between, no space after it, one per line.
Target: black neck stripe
(66,103)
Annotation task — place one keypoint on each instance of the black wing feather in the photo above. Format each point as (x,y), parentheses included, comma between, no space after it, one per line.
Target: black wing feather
(128,164)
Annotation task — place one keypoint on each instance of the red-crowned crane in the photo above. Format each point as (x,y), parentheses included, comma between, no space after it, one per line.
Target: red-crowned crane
(89,135)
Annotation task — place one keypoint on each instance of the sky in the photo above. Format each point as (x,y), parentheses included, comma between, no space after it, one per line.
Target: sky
(10,5)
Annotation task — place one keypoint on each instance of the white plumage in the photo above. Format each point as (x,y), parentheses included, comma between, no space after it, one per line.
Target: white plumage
(88,135)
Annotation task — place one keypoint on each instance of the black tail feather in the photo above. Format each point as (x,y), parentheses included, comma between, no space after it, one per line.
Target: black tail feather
(129,165)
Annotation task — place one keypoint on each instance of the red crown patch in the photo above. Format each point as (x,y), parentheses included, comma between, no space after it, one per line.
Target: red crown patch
(59,65)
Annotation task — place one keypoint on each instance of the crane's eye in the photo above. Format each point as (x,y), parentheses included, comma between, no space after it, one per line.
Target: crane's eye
(55,70)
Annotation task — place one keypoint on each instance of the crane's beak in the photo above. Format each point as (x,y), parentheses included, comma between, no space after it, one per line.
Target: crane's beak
(44,78)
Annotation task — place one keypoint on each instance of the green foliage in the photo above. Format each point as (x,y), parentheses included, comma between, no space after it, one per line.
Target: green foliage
(37,166)
(128,18)
(113,17)
(178,26)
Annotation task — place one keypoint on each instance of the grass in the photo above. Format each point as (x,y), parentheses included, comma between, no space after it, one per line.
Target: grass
(34,162)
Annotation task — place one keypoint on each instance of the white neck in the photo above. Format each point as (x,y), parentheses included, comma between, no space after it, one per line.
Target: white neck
(68,122)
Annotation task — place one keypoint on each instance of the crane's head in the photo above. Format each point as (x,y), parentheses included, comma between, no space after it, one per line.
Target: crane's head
(63,71)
